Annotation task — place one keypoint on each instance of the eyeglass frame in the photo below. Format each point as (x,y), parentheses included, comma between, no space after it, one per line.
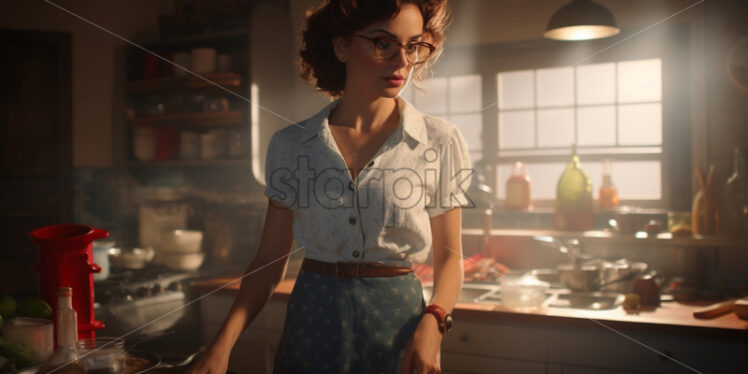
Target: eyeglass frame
(400,46)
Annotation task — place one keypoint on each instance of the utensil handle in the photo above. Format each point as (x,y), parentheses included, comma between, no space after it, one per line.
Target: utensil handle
(715,310)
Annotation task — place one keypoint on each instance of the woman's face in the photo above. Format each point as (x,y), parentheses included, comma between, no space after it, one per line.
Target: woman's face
(374,77)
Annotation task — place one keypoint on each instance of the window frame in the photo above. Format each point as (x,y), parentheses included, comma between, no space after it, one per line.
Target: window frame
(671,44)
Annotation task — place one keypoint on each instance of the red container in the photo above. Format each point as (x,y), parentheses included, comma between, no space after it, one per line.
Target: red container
(66,260)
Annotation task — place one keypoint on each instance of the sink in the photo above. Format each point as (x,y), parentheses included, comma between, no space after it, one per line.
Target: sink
(470,293)
(588,300)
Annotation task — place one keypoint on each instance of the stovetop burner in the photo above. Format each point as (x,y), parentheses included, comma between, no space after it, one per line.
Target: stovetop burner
(153,280)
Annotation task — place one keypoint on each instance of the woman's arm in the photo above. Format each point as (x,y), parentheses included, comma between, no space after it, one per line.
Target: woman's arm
(422,355)
(446,230)
(256,288)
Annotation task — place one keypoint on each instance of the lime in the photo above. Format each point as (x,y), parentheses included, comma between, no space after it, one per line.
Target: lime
(631,301)
(7,306)
(35,308)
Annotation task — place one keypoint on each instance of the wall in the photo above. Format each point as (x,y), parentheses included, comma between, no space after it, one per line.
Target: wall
(98,57)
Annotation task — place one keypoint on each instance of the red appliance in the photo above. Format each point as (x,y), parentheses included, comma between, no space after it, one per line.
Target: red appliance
(65,260)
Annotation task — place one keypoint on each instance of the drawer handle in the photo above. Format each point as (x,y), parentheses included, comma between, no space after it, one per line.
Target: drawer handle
(464,337)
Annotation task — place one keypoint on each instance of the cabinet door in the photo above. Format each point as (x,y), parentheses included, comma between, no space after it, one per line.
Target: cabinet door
(36,167)
(645,352)
(455,363)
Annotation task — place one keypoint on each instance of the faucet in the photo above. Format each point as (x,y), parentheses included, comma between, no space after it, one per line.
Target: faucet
(571,247)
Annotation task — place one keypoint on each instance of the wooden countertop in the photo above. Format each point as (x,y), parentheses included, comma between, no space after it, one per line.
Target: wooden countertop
(671,317)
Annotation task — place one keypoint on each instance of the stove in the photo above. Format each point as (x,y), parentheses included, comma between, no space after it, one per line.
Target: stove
(150,309)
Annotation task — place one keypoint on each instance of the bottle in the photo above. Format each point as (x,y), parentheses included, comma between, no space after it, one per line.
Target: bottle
(735,197)
(608,191)
(518,188)
(574,208)
(65,357)
(704,214)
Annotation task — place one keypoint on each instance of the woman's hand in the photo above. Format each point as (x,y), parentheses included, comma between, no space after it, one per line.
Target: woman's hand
(423,351)
(215,360)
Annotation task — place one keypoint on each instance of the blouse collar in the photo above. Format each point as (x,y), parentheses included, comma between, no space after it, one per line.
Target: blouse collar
(411,120)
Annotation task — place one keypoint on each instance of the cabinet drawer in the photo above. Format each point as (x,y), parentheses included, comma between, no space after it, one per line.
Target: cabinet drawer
(455,363)
(607,349)
(215,308)
(497,340)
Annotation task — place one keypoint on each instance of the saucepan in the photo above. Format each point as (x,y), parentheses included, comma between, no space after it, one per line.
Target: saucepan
(596,275)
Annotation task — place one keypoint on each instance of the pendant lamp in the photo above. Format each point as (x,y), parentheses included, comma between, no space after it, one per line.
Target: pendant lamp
(581,20)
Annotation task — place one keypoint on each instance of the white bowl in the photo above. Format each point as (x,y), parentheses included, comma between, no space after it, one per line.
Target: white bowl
(182,261)
(132,258)
(181,241)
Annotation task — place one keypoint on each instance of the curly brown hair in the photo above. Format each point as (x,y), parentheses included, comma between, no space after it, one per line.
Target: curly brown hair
(333,18)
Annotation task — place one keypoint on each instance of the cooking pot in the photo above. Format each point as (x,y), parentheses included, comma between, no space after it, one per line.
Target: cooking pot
(597,274)
(619,276)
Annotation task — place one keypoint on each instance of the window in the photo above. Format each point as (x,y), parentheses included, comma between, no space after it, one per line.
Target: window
(457,99)
(610,110)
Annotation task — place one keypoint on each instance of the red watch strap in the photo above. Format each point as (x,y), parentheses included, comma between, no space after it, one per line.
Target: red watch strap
(440,315)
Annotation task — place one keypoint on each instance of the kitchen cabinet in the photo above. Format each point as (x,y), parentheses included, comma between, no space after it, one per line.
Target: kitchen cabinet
(508,345)
(256,346)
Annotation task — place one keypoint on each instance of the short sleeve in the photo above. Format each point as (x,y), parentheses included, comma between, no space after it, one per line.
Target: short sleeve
(455,175)
(280,181)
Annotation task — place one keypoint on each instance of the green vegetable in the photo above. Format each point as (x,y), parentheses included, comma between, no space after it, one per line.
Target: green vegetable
(17,355)
(35,308)
(8,306)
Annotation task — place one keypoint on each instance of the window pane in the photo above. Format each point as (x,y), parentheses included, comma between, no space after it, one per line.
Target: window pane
(639,81)
(470,127)
(596,84)
(434,98)
(555,127)
(516,89)
(638,180)
(465,93)
(516,129)
(640,124)
(555,86)
(597,125)
(544,177)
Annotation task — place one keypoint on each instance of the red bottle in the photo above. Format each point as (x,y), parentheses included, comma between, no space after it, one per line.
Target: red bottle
(518,188)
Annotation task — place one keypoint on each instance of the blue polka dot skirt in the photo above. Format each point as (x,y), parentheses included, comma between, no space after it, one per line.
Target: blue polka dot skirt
(348,325)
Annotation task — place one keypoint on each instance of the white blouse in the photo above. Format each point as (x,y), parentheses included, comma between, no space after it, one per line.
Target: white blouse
(422,170)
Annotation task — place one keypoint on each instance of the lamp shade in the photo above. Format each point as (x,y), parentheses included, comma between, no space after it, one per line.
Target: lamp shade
(581,20)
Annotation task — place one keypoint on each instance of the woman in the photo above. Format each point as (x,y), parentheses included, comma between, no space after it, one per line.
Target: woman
(367,186)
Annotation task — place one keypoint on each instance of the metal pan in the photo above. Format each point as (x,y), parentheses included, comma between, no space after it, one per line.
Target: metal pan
(141,362)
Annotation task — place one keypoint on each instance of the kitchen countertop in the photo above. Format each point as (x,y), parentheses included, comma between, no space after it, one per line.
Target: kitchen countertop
(670,317)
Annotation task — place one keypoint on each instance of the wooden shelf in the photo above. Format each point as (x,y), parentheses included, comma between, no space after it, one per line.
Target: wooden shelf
(638,239)
(229,81)
(195,119)
(190,163)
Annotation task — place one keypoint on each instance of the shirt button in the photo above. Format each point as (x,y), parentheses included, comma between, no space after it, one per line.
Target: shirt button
(355,253)
(350,186)
(352,220)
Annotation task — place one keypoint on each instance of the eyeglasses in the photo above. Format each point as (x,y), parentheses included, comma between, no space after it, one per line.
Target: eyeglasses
(386,48)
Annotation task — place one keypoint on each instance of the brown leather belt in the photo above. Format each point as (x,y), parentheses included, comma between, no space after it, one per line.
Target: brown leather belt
(353,269)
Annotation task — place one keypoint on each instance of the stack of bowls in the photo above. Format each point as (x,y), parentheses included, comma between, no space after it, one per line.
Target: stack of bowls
(181,249)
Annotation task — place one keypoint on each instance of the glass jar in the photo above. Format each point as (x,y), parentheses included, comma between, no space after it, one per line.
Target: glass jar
(103,355)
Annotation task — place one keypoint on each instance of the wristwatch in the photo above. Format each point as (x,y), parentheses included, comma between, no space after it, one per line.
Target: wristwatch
(442,317)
